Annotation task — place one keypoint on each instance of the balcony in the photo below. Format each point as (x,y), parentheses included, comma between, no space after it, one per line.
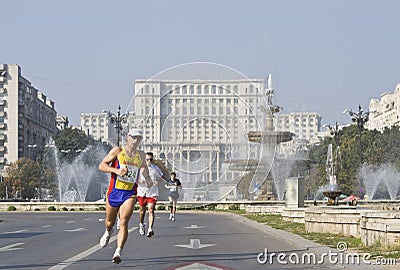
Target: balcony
(3,102)
(2,149)
(3,90)
(2,137)
(3,126)
(3,160)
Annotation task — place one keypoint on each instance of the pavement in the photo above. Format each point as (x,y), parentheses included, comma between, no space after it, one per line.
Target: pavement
(310,245)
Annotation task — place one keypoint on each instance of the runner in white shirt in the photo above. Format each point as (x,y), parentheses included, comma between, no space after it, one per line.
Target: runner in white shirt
(148,196)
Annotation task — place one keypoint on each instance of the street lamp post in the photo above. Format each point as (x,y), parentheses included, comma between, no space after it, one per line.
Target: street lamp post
(118,119)
(360,118)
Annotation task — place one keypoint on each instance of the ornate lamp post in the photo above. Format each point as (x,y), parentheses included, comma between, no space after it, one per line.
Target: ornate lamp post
(117,119)
(360,117)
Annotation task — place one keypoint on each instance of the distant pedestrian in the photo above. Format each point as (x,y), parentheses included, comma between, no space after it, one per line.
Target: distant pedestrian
(125,164)
(173,184)
(147,197)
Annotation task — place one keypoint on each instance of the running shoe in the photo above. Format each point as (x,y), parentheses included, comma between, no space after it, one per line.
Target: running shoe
(116,258)
(150,233)
(141,229)
(170,217)
(105,238)
(173,218)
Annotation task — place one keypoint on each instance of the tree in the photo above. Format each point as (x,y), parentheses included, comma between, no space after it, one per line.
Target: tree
(378,149)
(71,141)
(23,179)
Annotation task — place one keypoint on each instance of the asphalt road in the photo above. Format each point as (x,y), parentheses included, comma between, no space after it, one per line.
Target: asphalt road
(196,240)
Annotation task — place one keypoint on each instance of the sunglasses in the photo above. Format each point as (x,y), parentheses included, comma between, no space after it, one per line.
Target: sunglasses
(149,159)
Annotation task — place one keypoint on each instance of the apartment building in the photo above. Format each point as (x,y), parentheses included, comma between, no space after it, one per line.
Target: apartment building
(27,117)
(384,113)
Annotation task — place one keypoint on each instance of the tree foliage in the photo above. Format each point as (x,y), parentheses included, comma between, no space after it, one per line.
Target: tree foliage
(372,148)
(22,179)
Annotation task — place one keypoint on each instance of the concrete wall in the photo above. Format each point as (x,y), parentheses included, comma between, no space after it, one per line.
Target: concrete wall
(380,226)
(339,220)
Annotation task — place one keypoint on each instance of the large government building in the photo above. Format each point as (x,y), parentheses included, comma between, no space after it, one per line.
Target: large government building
(198,126)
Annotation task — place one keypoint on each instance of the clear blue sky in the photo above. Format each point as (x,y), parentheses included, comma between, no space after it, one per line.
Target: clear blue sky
(324,56)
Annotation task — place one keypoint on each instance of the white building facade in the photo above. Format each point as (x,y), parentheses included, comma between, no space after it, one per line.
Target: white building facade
(196,126)
(385,113)
(27,117)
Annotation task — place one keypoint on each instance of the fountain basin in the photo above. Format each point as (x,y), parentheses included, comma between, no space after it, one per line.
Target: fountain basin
(332,196)
(276,136)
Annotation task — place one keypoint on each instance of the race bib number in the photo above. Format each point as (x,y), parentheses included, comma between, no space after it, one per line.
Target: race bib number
(172,188)
(127,181)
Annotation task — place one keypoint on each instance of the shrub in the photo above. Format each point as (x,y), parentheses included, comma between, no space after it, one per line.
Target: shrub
(211,207)
(52,208)
(11,208)
(72,209)
(36,209)
(101,208)
(161,207)
(64,208)
(234,207)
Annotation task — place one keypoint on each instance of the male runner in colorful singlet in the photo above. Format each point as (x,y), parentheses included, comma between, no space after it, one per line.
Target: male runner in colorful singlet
(125,164)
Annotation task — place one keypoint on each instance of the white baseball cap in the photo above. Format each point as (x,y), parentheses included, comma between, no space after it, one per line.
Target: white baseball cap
(135,132)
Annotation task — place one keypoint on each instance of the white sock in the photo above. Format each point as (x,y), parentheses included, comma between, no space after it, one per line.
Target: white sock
(118,251)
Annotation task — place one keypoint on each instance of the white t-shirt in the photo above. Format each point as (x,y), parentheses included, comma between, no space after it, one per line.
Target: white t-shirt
(143,190)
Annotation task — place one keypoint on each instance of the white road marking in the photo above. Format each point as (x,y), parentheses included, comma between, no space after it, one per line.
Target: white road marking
(198,266)
(195,244)
(84,254)
(195,227)
(46,226)
(71,221)
(11,247)
(76,230)
(14,232)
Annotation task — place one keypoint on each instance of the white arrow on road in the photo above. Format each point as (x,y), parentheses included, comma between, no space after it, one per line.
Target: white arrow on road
(195,244)
(195,227)
(76,230)
(11,247)
(200,266)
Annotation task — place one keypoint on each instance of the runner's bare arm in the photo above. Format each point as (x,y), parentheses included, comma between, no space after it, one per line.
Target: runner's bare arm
(104,165)
(145,170)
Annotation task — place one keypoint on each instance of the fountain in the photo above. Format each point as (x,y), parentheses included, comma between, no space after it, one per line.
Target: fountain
(79,180)
(269,139)
(385,177)
(332,193)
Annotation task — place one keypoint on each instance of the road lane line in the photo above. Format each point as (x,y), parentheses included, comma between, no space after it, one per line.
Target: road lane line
(11,247)
(15,232)
(84,254)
